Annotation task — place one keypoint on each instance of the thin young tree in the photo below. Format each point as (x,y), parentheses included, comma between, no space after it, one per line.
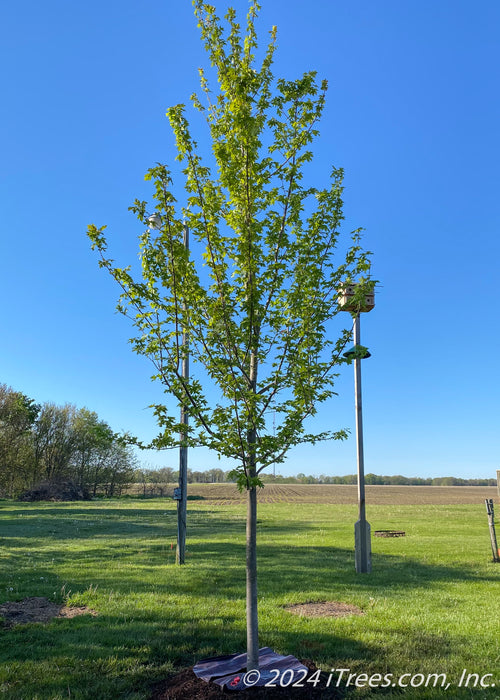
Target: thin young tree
(257,292)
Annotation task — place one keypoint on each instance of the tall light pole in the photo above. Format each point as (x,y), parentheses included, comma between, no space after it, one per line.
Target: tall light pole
(180,493)
(349,301)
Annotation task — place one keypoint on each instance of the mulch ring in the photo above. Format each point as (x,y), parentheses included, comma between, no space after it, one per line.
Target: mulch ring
(37,610)
(186,686)
(326,609)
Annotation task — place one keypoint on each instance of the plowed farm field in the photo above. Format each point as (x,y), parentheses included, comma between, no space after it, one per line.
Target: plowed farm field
(346,494)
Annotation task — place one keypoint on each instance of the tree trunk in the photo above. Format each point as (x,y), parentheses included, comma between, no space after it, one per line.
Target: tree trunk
(252,613)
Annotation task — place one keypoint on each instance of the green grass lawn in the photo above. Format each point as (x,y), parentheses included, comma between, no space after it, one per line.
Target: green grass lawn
(430,604)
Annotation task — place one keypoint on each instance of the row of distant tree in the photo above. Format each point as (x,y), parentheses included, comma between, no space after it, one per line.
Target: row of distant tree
(152,480)
(374,479)
(49,443)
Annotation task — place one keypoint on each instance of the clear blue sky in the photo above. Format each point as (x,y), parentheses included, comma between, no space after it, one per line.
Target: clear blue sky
(413,117)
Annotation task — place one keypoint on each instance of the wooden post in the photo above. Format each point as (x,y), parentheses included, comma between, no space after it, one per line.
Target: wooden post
(491,522)
(498,481)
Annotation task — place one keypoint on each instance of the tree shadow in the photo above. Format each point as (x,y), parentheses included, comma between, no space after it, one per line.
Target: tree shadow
(217,569)
(90,648)
(121,552)
(215,545)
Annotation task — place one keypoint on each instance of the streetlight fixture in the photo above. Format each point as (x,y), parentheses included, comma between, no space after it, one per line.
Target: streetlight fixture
(350,300)
(180,493)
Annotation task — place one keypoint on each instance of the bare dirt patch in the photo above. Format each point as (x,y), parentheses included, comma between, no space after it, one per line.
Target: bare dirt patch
(326,609)
(37,609)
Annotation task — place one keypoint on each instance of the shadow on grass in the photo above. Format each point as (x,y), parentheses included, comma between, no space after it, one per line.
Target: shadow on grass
(142,559)
(72,523)
(95,653)
(216,544)
(160,615)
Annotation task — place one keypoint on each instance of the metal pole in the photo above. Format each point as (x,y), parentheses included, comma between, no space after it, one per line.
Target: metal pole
(183,450)
(362,536)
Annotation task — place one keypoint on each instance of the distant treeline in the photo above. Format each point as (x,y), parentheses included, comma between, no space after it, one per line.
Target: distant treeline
(375,480)
(49,444)
(45,443)
(149,478)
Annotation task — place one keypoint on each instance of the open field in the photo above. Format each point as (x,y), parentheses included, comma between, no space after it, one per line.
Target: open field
(430,605)
(341,494)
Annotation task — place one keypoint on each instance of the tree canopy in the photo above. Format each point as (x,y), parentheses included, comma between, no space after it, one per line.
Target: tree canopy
(258,291)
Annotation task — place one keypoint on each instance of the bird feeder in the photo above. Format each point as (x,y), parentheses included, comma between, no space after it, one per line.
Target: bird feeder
(349,300)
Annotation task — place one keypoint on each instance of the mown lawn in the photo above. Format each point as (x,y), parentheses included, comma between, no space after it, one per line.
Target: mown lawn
(430,604)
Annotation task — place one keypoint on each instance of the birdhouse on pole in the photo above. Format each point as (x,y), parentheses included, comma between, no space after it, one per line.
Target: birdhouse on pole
(350,300)
(355,299)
